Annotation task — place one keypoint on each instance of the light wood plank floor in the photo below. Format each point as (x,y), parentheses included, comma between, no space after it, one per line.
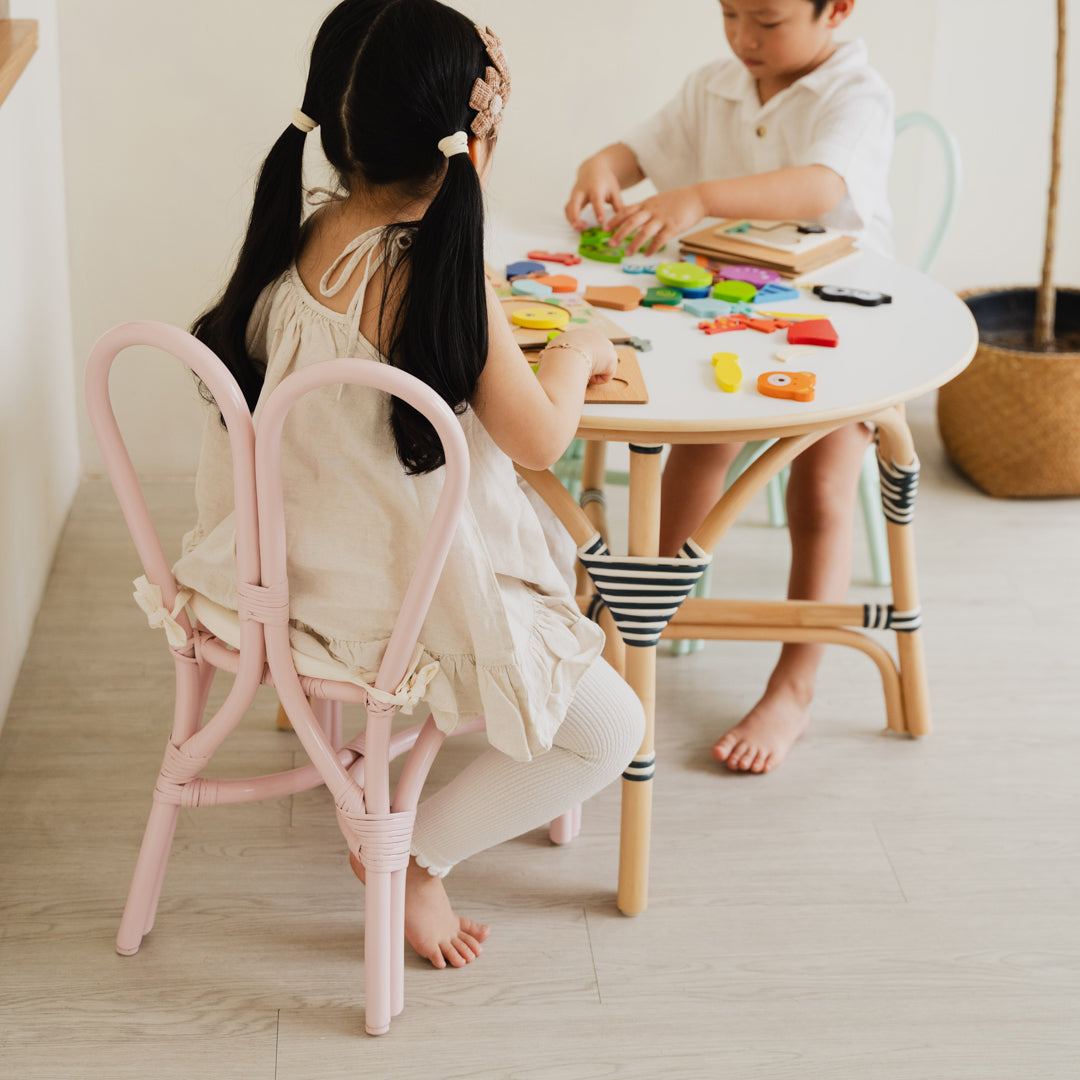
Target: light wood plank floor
(877,909)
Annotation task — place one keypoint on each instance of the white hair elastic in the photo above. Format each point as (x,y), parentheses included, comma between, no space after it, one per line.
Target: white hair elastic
(303,121)
(458,143)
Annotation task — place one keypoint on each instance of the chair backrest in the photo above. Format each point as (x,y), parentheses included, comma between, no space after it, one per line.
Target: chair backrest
(950,152)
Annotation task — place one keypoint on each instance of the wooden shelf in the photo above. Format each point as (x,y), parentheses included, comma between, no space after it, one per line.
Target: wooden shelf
(18,42)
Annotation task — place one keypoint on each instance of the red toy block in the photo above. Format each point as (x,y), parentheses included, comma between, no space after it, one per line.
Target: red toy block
(564,257)
(813,332)
(725,324)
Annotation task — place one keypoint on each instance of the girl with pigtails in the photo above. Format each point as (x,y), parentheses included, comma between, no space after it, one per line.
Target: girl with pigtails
(408,97)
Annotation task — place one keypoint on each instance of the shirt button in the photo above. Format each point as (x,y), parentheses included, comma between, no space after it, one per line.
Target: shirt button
(761,131)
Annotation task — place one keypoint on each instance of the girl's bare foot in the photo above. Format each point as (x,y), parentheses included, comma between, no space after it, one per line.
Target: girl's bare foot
(760,741)
(431,927)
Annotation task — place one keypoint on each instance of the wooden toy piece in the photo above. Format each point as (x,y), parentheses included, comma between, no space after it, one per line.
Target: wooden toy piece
(726,371)
(666,307)
(793,352)
(626,386)
(814,332)
(527,286)
(565,257)
(707,309)
(774,291)
(635,265)
(560,283)
(546,317)
(654,297)
(764,326)
(524,269)
(683,275)
(725,324)
(619,297)
(791,316)
(734,291)
(757,276)
(798,386)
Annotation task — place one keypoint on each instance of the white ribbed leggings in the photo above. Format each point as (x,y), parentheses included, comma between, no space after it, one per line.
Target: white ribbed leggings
(496,798)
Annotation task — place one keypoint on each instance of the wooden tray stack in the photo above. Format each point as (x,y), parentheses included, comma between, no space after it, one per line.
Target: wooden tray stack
(774,245)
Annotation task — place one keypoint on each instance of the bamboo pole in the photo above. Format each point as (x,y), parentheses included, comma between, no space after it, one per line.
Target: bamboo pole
(1046,302)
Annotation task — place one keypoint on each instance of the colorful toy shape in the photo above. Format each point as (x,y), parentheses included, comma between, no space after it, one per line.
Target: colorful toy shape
(527,286)
(775,291)
(594,245)
(734,292)
(840,295)
(565,257)
(798,386)
(769,326)
(560,283)
(523,269)
(755,275)
(635,265)
(726,371)
(619,297)
(545,317)
(725,324)
(696,294)
(684,275)
(707,309)
(814,332)
(662,297)
(793,352)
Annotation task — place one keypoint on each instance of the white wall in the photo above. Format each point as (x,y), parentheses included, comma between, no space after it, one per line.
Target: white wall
(39,462)
(168,110)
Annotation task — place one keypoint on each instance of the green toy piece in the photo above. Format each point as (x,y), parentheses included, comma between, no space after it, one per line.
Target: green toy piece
(594,245)
(684,276)
(734,292)
(664,297)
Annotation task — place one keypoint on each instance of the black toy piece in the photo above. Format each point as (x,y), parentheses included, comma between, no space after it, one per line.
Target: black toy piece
(811,230)
(862,297)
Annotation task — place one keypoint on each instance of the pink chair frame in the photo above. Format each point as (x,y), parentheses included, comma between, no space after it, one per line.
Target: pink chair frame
(376,825)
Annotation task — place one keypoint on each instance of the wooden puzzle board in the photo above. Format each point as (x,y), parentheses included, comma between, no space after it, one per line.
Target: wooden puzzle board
(580,315)
(781,235)
(627,385)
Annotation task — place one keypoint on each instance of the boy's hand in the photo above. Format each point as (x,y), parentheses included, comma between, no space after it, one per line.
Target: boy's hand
(598,186)
(658,219)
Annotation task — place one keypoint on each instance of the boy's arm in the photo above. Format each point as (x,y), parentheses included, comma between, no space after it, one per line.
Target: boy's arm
(806,191)
(600,181)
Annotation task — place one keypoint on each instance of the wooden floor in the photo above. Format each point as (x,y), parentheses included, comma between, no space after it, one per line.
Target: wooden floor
(877,909)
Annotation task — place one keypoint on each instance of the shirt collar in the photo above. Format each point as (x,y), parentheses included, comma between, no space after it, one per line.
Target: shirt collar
(733,82)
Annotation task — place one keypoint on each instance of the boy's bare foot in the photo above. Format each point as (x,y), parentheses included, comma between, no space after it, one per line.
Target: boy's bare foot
(761,740)
(431,927)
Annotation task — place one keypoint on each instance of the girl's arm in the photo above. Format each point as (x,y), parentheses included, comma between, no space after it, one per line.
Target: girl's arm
(805,191)
(532,418)
(600,181)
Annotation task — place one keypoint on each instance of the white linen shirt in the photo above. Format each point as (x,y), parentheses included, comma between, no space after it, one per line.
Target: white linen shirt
(840,115)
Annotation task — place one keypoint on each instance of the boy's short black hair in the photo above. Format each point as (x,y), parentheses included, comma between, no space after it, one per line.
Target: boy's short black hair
(819,6)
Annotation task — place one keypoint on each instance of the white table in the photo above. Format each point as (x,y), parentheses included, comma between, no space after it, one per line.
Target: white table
(887,355)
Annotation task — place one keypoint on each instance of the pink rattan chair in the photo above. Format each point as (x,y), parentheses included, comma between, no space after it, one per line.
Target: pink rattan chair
(376,825)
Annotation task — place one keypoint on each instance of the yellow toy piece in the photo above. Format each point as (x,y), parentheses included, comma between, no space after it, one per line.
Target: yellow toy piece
(727,372)
(540,318)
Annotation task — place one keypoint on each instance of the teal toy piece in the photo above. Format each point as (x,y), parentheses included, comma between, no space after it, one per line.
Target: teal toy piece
(667,297)
(530,287)
(707,309)
(684,276)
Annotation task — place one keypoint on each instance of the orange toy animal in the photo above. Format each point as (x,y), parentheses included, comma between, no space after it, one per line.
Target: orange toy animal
(798,386)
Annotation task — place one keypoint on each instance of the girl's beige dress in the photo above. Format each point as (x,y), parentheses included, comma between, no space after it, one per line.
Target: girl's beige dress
(508,638)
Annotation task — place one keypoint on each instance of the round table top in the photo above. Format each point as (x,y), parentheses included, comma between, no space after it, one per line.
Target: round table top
(886,354)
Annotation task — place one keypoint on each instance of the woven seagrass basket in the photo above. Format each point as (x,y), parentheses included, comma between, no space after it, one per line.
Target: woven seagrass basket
(1011,420)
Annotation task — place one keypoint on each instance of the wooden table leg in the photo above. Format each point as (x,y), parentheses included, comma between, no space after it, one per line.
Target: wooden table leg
(897,450)
(637,785)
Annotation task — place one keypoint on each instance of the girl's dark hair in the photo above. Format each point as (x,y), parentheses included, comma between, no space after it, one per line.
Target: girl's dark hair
(388,79)
(819,6)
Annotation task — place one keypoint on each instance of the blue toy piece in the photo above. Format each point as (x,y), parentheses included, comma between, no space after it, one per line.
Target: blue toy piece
(524,268)
(707,308)
(530,287)
(634,265)
(696,294)
(742,309)
(775,291)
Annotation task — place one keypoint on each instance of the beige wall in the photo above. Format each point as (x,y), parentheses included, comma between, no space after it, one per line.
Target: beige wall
(168,110)
(39,461)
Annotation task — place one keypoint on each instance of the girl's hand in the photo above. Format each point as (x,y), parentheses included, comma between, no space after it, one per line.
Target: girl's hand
(657,220)
(604,359)
(598,186)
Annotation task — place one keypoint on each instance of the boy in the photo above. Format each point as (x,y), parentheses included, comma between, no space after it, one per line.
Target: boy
(795,126)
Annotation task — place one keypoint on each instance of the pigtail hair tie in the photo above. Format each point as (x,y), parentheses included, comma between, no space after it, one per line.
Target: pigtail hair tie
(458,143)
(302,121)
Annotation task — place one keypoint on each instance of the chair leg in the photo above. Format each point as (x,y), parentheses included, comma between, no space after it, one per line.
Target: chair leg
(145,888)
(775,492)
(378,930)
(685,646)
(874,518)
(561,830)
(337,734)
(397,942)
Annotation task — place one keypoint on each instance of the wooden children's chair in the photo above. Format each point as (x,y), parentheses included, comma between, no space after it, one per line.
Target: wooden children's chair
(252,644)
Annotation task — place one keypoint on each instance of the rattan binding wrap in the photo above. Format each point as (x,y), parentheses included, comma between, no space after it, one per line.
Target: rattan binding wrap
(1011,420)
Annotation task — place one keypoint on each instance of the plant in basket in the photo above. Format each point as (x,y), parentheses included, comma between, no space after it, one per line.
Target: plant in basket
(1011,421)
